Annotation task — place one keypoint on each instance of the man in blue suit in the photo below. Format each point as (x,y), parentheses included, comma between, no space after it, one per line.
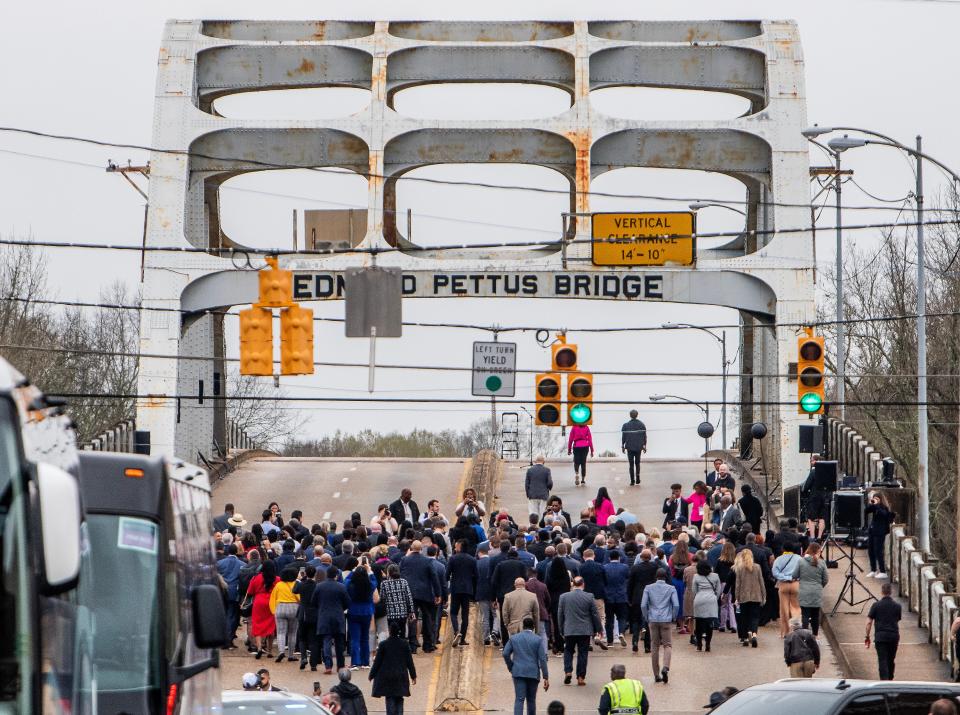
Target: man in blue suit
(330,600)
(526,659)
(229,567)
(426,588)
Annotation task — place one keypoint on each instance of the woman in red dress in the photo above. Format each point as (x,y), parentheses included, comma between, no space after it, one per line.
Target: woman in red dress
(263,625)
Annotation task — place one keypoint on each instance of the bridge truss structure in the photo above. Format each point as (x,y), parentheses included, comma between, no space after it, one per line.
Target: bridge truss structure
(767,276)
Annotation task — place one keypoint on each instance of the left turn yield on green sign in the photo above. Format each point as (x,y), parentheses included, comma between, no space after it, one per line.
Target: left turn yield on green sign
(494,369)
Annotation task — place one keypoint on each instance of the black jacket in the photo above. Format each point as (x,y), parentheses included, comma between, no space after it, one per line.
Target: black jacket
(392,669)
(752,509)
(423,579)
(396,510)
(633,436)
(882,518)
(670,509)
(642,575)
(351,699)
(307,613)
(505,573)
(462,574)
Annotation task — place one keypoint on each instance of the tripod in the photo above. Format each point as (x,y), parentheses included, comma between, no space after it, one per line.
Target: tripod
(847,592)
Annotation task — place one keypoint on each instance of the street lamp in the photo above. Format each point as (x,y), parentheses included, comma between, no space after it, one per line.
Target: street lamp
(840,144)
(722,339)
(532,422)
(697,205)
(706,417)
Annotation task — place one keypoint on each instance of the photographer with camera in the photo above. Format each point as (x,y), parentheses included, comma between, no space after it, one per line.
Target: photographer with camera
(877,531)
(471,506)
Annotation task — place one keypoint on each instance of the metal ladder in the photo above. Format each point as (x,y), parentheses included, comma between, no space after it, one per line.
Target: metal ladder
(510,435)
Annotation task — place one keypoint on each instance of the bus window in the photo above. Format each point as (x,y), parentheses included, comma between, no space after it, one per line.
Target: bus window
(119,589)
(16,587)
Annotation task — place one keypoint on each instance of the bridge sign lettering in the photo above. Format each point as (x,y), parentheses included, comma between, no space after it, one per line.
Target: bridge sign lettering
(643,239)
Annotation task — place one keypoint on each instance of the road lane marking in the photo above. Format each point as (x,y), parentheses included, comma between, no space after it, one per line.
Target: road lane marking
(345,479)
(336,495)
(326,515)
(353,469)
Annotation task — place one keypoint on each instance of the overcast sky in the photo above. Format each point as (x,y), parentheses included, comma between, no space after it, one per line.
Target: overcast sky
(90,71)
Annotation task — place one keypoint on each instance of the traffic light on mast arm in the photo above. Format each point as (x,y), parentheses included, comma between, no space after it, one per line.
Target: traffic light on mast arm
(563,356)
(256,341)
(810,368)
(579,398)
(547,386)
(296,341)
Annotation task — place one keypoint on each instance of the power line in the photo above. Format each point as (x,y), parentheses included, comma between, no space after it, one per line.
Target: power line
(381,177)
(454,368)
(519,328)
(233,252)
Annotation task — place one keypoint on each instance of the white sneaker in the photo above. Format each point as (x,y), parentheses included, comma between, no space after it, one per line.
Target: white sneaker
(871,574)
(881,574)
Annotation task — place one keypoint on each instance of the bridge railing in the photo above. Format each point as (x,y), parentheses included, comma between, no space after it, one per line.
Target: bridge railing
(122,438)
(917,575)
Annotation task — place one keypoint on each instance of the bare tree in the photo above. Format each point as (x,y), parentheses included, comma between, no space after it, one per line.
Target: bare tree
(252,407)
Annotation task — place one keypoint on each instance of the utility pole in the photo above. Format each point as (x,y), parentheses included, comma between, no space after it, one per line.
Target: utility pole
(841,328)
(144,171)
(923,477)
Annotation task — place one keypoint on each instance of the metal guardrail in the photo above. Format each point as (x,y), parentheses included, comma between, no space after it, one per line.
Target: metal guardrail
(121,438)
(914,572)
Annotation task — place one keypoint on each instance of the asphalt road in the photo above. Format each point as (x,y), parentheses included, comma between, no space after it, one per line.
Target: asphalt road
(327,489)
(693,675)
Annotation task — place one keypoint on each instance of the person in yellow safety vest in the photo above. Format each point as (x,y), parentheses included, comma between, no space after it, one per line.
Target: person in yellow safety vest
(623,695)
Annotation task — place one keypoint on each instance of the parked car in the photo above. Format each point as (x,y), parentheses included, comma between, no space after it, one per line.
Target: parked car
(820,696)
(252,702)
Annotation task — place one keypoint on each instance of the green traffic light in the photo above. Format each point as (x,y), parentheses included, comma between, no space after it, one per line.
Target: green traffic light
(811,402)
(580,414)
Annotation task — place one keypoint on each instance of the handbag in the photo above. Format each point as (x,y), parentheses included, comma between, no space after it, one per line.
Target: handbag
(246,608)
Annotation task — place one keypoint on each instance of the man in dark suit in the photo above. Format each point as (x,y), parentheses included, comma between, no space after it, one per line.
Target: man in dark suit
(526,659)
(220,522)
(674,506)
(633,441)
(594,579)
(330,599)
(426,588)
(405,508)
(578,621)
(505,575)
(461,575)
(751,507)
(307,618)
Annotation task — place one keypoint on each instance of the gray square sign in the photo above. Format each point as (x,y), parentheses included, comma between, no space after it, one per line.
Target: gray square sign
(373,298)
(494,369)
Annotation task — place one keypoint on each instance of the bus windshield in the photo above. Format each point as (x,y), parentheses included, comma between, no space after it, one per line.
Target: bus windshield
(119,600)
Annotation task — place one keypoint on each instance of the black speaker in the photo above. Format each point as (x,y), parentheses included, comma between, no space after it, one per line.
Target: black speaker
(889,470)
(811,439)
(141,441)
(848,510)
(825,474)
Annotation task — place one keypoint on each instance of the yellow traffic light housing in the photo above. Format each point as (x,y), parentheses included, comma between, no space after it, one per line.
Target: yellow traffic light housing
(810,374)
(276,286)
(256,341)
(579,398)
(563,355)
(547,387)
(296,341)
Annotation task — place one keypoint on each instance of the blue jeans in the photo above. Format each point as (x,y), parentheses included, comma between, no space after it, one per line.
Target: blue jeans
(335,640)
(233,619)
(359,639)
(525,689)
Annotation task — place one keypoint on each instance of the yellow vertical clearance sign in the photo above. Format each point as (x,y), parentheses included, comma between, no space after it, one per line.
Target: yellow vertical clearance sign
(644,239)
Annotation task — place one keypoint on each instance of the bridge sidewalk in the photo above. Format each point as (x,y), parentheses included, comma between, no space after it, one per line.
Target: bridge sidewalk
(916,657)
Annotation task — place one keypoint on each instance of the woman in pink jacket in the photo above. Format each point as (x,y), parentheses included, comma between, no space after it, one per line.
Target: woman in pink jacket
(603,507)
(580,442)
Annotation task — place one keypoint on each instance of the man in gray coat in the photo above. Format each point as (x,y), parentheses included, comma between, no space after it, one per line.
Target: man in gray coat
(579,621)
(526,657)
(537,486)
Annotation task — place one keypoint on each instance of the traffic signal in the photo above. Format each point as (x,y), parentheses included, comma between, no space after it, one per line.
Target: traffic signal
(564,356)
(580,398)
(276,286)
(810,383)
(296,341)
(548,399)
(256,341)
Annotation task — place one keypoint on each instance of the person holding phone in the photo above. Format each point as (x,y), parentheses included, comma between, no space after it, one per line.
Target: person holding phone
(385,519)
(470,506)
(877,533)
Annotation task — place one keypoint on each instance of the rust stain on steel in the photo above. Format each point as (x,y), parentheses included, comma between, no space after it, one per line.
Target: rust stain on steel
(305,67)
(153,402)
(320,31)
(511,155)
(373,168)
(581,144)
